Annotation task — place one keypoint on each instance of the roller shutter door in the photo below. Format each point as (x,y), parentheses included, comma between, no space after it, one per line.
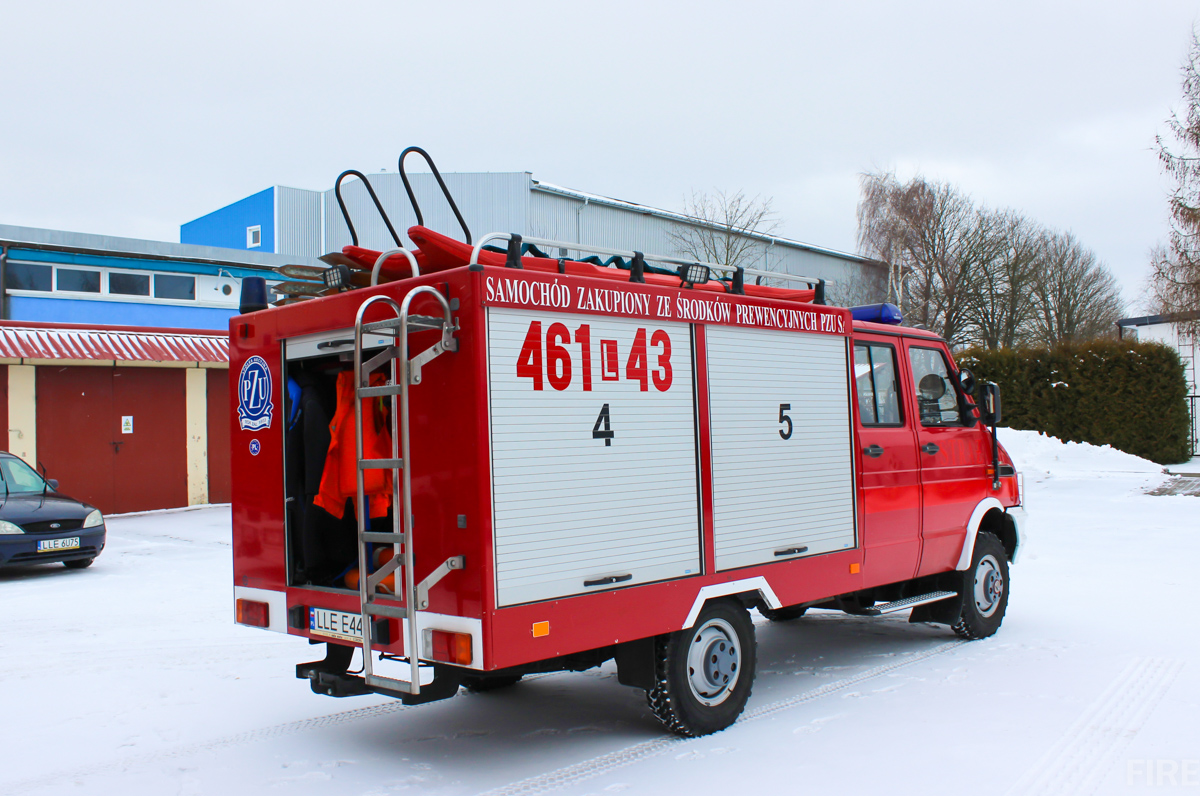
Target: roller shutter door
(590,486)
(774,497)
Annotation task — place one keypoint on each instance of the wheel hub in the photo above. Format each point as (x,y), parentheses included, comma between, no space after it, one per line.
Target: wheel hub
(989,586)
(713,661)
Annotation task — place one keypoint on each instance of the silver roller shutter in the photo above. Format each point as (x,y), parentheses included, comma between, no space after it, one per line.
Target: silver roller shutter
(569,509)
(777,498)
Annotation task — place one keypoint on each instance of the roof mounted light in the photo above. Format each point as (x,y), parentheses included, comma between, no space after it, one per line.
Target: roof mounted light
(877,313)
(694,274)
(337,277)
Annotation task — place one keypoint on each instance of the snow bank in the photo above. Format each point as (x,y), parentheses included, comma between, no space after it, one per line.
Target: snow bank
(1033,450)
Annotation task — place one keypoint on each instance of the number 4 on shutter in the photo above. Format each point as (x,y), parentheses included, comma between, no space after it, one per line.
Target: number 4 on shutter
(602,420)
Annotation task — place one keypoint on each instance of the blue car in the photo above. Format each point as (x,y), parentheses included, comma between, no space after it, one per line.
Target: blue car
(39,525)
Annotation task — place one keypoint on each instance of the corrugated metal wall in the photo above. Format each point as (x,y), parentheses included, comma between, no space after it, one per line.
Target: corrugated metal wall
(489,203)
(513,202)
(298,222)
(567,218)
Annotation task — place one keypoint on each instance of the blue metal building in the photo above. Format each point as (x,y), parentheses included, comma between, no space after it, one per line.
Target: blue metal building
(69,277)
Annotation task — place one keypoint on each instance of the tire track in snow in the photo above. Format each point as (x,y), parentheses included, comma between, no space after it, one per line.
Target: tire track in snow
(587,769)
(250,736)
(1084,754)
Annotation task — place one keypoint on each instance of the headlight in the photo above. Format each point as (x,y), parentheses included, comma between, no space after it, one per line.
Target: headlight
(93,519)
(8,527)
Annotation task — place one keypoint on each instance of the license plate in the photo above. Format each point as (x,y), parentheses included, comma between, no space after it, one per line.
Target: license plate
(46,545)
(335,624)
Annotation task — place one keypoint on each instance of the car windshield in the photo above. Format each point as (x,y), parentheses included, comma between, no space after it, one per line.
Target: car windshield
(20,477)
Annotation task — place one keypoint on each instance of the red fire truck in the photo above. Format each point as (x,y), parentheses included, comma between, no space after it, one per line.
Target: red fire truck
(500,463)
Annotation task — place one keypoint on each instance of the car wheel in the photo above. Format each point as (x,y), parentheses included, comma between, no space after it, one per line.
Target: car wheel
(79,563)
(984,590)
(703,675)
(785,614)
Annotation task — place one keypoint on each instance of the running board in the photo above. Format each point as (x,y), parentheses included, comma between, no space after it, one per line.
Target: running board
(908,602)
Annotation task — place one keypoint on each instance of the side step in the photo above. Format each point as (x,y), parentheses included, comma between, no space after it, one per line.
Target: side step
(908,602)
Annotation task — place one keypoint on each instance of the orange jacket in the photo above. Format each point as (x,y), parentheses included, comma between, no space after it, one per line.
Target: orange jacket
(338,479)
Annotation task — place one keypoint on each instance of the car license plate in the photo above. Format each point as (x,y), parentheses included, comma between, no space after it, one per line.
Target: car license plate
(335,624)
(46,545)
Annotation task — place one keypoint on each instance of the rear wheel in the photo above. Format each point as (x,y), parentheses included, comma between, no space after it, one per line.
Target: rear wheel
(984,590)
(703,675)
(79,563)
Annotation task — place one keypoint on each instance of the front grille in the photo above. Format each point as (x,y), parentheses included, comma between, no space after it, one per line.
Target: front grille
(54,555)
(44,527)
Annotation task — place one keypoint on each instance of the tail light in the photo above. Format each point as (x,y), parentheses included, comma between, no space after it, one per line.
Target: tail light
(253,613)
(442,645)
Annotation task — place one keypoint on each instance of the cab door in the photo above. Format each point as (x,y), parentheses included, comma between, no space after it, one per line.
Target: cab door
(891,485)
(952,461)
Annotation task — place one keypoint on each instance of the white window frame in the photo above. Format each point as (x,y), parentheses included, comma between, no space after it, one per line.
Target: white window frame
(250,234)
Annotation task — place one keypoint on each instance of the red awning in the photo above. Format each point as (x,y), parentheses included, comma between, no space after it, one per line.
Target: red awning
(26,340)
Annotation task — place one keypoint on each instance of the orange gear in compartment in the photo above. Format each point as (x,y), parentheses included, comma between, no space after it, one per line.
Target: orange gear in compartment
(338,479)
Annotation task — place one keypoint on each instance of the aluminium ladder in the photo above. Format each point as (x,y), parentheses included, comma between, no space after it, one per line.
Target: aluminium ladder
(404,371)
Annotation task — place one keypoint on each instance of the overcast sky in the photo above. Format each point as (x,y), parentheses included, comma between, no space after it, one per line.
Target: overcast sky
(132,118)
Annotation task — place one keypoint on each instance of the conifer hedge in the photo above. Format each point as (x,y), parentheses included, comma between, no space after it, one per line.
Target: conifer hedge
(1130,395)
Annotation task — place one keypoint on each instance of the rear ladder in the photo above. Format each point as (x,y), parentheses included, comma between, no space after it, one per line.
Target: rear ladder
(404,371)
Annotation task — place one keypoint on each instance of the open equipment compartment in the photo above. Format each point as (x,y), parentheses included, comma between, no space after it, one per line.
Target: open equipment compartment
(321,547)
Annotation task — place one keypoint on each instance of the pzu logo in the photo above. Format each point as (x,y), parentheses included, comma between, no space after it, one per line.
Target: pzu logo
(254,395)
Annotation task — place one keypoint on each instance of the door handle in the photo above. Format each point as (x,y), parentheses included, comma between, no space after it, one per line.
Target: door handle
(930,448)
(874,451)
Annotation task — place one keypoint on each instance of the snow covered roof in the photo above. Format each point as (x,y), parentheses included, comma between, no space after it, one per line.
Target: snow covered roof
(25,340)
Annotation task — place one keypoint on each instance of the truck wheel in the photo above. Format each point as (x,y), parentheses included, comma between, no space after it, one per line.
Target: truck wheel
(784,614)
(703,674)
(984,590)
(481,684)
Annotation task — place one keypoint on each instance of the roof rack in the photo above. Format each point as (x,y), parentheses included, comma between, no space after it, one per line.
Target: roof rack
(811,281)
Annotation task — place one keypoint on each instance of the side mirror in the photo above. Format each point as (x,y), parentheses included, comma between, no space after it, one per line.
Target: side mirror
(966,380)
(53,482)
(990,410)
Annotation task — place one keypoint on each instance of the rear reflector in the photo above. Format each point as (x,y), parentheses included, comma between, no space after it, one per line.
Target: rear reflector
(253,613)
(449,647)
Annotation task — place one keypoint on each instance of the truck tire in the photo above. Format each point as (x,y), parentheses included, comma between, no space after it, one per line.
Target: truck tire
(495,683)
(984,590)
(703,675)
(784,614)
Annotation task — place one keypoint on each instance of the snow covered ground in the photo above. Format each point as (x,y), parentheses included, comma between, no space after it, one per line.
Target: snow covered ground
(131,678)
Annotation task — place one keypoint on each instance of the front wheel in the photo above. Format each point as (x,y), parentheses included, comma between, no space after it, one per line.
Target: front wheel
(79,563)
(984,590)
(703,675)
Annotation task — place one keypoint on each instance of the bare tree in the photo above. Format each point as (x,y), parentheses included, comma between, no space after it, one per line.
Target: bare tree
(935,242)
(1000,309)
(727,229)
(1075,297)
(979,276)
(1175,267)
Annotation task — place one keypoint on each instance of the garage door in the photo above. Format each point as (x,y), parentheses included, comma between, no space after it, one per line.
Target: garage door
(783,477)
(114,437)
(593,453)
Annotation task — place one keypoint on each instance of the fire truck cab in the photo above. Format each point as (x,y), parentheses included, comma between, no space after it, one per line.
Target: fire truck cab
(500,464)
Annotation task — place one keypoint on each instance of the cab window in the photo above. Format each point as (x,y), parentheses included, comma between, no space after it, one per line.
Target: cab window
(875,382)
(937,402)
